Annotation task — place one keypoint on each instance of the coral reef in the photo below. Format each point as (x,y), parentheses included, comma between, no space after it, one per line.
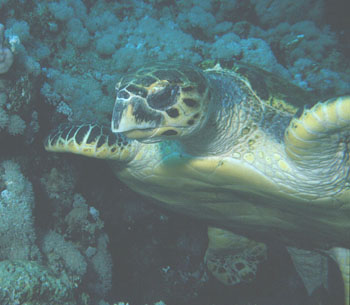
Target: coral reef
(64,261)
(27,282)
(6,56)
(16,204)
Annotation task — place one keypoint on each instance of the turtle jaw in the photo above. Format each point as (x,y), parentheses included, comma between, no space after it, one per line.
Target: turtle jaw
(141,134)
(152,135)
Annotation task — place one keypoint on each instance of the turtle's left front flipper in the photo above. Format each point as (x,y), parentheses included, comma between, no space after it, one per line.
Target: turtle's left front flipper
(325,126)
(319,142)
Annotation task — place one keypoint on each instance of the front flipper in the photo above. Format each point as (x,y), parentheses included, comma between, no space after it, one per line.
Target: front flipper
(91,140)
(232,258)
(321,134)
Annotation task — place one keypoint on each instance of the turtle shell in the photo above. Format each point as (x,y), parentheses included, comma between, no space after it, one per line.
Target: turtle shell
(272,89)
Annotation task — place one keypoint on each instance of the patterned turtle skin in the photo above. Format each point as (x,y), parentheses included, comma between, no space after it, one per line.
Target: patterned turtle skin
(237,148)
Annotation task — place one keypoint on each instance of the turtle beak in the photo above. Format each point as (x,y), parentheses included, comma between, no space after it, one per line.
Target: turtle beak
(133,115)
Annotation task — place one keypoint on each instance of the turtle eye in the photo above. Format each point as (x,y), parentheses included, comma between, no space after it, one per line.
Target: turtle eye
(164,98)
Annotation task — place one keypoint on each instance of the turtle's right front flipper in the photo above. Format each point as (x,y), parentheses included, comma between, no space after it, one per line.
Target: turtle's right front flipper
(91,140)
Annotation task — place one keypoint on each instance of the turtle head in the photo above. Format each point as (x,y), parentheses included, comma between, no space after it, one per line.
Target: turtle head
(160,102)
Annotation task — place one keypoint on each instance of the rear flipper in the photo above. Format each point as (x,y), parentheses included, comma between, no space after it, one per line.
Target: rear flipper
(342,258)
(312,268)
(233,258)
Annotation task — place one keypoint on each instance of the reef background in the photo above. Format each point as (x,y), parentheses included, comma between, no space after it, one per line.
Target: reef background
(70,232)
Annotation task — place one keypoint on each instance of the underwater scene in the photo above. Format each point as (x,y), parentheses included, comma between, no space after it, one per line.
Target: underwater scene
(168,152)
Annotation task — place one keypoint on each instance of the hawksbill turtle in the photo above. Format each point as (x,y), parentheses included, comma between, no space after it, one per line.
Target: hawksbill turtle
(237,148)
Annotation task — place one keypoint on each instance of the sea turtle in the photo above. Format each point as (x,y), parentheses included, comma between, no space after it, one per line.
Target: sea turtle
(237,148)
